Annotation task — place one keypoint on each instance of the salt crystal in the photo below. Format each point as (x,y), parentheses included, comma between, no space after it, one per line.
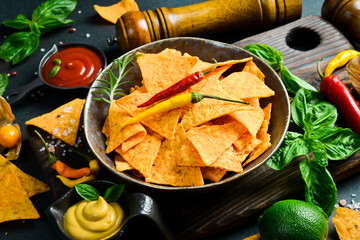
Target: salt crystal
(42,149)
(72,121)
(67,109)
(62,145)
(42,49)
(88,35)
(79,11)
(353,195)
(69,130)
(65,133)
(58,142)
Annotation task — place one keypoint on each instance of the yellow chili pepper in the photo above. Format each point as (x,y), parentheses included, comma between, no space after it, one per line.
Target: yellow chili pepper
(93,163)
(72,182)
(340,60)
(172,103)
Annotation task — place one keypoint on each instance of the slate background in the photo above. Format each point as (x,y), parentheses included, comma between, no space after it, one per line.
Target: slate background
(45,100)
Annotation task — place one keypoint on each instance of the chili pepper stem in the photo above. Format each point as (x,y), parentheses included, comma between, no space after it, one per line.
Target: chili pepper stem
(201,96)
(209,71)
(52,158)
(319,69)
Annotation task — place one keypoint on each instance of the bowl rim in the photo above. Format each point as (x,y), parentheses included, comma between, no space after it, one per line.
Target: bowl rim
(208,186)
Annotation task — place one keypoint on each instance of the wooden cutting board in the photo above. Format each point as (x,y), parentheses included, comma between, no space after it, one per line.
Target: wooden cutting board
(195,216)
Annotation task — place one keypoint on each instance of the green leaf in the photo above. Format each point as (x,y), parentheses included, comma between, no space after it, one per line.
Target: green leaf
(319,151)
(58,9)
(309,106)
(18,46)
(294,83)
(287,152)
(20,22)
(340,143)
(48,24)
(87,192)
(320,188)
(54,71)
(3,83)
(113,193)
(268,54)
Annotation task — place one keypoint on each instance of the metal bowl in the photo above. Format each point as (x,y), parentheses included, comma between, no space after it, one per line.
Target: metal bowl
(95,112)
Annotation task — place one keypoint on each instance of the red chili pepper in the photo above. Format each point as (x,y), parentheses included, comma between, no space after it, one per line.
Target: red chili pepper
(178,87)
(339,95)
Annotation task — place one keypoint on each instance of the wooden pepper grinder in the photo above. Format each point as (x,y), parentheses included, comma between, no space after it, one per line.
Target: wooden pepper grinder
(344,14)
(136,28)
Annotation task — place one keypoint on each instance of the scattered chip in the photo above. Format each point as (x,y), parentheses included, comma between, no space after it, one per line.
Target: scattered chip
(113,12)
(253,237)
(63,122)
(14,200)
(347,223)
(31,185)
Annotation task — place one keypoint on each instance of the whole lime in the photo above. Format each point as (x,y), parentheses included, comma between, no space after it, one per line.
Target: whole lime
(293,219)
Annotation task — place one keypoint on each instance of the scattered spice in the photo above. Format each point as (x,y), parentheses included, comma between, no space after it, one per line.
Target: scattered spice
(72,30)
(13,74)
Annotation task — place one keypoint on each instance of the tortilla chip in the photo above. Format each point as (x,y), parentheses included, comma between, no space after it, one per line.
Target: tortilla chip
(161,70)
(208,109)
(141,157)
(118,115)
(213,174)
(251,67)
(212,141)
(63,122)
(120,164)
(265,124)
(31,185)
(188,155)
(347,223)
(229,161)
(113,12)
(14,201)
(243,141)
(253,237)
(165,169)
(242,85)
(132,141)
(260,149)
(251,119)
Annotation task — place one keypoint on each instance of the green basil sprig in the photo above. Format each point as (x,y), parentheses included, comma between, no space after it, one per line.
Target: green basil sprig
(3,82)
(275,59)
(315,119)
(90,193)
(46,17)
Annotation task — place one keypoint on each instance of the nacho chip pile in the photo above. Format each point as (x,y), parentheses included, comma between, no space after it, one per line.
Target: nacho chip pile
(195,143)
(16,187)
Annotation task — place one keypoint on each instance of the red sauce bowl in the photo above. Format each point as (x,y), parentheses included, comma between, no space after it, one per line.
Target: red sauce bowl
(80,65)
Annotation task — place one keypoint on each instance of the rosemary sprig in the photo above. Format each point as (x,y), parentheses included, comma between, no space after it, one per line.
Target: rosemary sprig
(113,84)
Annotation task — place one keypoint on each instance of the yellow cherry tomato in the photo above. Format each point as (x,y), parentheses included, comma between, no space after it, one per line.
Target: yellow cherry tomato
(9,136)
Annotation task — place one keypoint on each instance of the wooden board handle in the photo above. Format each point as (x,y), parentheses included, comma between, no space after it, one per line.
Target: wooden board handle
(136,28)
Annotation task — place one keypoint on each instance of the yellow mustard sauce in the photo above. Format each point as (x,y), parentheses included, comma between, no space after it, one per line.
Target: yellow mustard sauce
(94,220)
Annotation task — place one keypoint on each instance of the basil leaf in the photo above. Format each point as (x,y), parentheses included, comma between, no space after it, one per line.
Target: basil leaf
(113,193)
(340,143)
(20,22)
(47,24)
(18,46)
(287,152)
(320,188)
(294,83)
(299,108)
(59,9)
(268,54)
(319,151)
(324,114)
(87,192)
(3,82)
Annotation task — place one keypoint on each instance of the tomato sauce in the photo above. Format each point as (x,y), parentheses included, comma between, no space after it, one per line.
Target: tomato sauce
(79,67)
